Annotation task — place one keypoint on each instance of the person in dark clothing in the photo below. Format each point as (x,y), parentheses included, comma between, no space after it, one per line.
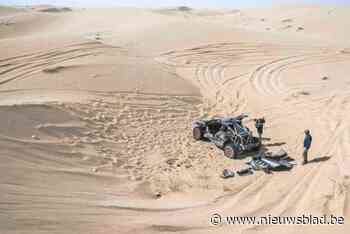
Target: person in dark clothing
(259,125)
(307,145)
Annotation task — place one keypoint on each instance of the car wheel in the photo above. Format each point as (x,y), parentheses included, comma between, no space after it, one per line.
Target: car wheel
(197,133)
(230,151)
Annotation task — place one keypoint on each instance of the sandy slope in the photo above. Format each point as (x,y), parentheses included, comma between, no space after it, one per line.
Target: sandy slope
(97,107)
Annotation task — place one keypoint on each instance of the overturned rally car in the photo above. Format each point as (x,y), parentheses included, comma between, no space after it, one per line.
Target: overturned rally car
(228,134)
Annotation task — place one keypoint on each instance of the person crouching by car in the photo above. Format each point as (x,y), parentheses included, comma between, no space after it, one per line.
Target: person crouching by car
(259,125)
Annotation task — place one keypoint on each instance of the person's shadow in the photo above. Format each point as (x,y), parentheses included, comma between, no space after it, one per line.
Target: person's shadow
(319,159)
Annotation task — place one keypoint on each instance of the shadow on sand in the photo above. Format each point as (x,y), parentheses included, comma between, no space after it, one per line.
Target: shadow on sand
(319,159)
(275,144)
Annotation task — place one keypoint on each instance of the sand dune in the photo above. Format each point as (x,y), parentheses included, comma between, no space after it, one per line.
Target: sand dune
(97,108)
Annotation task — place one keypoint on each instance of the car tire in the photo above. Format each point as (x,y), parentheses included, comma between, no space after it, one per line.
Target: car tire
(230,151)
(197,133)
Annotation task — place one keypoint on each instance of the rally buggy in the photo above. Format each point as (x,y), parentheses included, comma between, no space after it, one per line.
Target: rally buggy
(228,134)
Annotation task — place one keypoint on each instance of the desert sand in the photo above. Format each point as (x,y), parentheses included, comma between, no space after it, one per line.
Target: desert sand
(96,109)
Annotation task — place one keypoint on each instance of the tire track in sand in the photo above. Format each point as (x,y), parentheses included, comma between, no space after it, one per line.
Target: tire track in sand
(24,66)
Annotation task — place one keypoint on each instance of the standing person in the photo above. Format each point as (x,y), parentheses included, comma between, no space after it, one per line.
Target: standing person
(307,145)
(259,125)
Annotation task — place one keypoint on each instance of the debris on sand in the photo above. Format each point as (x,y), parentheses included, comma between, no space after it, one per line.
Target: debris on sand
(245,171)
(272,162)
(171,161)
(184,8)
(158,195)
(53,69)
(94,169)
(227,173)
(35,137)
(287,21)
(264,161)
(305,93)
(287,27)
(300,93)
(325,78)
(300,29)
